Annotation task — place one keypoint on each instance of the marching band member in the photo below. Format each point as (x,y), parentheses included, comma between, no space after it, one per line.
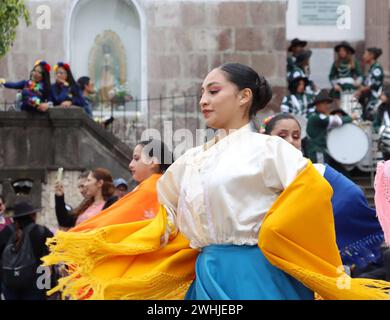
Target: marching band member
(317,128)
(301,69)
(298,102)
(346,74)
(372,89)
(295,48)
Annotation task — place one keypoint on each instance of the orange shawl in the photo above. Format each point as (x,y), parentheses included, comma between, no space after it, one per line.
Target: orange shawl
(140,204)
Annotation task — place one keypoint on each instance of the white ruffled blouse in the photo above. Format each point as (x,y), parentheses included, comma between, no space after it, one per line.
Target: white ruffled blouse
(220,193)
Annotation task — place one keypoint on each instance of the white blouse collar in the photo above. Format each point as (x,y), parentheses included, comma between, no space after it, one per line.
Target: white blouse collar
(246,128)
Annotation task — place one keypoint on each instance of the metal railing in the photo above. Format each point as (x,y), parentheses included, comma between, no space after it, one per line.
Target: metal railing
(132,117)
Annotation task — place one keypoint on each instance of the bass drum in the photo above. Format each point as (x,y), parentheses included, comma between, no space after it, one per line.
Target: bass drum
(369,163)
(350,104)
(348,144)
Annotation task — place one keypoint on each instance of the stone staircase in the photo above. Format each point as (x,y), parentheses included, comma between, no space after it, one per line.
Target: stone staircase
(366,181)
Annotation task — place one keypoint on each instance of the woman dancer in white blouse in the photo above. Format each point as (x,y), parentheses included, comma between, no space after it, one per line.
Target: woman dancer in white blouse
(218,194)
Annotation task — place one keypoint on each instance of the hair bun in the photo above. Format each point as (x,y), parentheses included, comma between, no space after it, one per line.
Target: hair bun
(265,93)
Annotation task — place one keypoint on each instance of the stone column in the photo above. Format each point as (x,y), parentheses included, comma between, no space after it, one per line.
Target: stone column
(377,30)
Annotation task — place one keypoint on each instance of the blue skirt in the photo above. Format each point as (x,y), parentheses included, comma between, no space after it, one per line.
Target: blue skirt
(229,272)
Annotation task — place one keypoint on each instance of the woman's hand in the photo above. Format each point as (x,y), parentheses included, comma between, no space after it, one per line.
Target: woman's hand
(43,107)
(61,81)
(59,189)
(337,88)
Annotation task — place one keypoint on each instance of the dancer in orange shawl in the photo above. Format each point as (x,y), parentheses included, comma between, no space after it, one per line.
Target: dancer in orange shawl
(146,168)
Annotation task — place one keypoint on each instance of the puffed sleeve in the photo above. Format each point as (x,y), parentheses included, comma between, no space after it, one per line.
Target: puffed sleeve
(282,163)
(168,189)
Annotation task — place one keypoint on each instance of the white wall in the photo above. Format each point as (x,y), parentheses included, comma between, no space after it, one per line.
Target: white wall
(89,19)
(327,33)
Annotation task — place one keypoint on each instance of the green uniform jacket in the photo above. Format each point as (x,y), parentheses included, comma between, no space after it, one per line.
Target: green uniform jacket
(374,80)
(298,104)
(290,66)
(345,77)
(317,131)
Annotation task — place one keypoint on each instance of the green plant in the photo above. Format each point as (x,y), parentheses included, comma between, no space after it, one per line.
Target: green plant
(121,93)
(10,13)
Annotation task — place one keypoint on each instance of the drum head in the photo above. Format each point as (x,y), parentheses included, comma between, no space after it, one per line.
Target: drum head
(348,144)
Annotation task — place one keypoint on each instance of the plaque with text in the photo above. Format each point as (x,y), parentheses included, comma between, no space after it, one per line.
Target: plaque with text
(318,12)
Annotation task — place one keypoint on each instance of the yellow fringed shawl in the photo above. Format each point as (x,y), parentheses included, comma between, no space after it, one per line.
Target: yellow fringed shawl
(126,262)
(298,236)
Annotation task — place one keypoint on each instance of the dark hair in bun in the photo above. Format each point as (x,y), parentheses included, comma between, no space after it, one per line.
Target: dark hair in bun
(245,77)
(158,149)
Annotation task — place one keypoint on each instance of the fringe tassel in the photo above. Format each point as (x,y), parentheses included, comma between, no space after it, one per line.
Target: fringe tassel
(341,287)
(168,273)
(363,252)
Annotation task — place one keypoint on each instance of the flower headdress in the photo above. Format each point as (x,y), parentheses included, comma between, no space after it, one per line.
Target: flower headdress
(265,122)
(43,64)
(66,66)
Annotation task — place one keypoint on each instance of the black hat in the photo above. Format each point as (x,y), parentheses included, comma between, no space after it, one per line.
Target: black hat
(302,56)
(346,45)
(293,85)
(24,208)
(297,43)
(377,52)
(323,96)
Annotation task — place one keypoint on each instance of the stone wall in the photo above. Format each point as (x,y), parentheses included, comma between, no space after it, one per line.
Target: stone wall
(185,40)
(73,198)
(34,146)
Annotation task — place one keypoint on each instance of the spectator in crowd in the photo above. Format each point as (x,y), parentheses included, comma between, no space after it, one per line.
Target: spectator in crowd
(87,87)
(64,212)
(121,187)
(99,194)
(65,91)
(26,239)
(4,221)
(35,92)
